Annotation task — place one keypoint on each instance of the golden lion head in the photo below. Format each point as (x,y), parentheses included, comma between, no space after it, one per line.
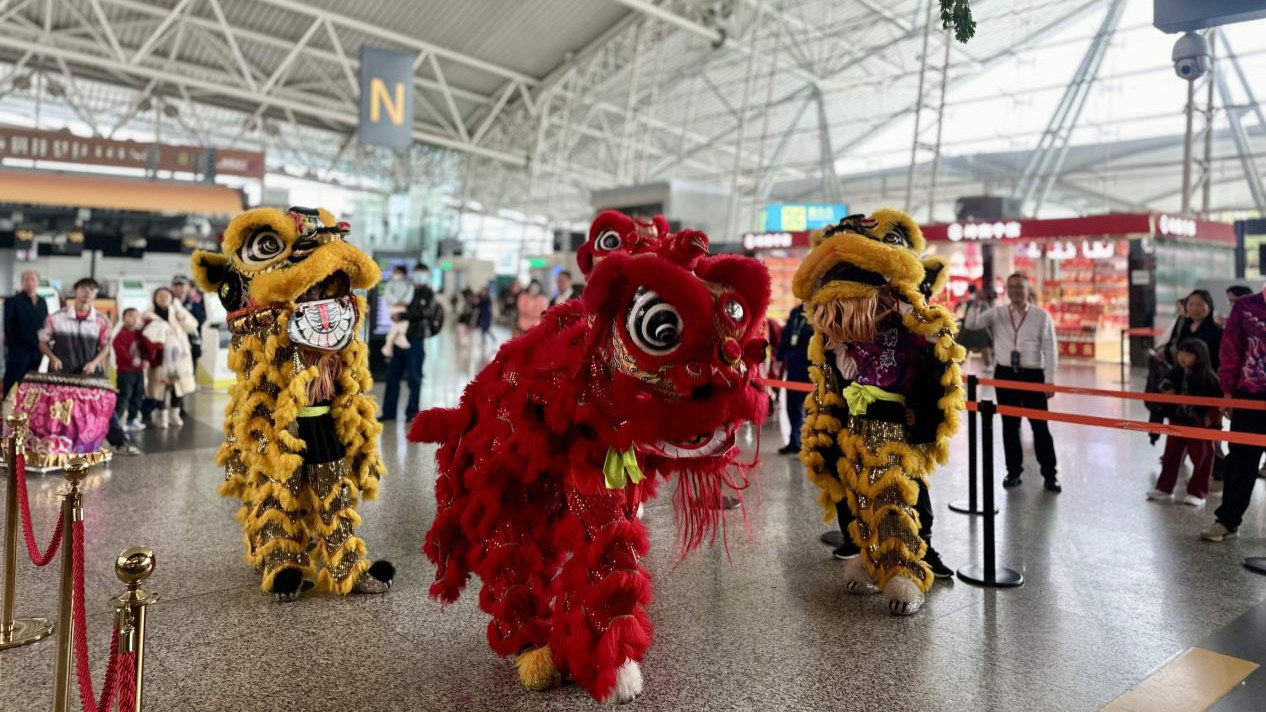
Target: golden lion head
(275,258)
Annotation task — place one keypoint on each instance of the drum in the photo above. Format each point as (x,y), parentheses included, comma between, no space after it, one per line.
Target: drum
(66,416)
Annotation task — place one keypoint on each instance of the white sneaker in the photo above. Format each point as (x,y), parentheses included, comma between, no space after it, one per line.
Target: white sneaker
(1218,532)
(174,418)
(1159,495)
(1193,501)
(134,425)
(161,419)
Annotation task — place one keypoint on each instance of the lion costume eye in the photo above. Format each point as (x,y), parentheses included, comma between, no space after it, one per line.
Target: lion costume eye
(260,248)
(608,241)
(654,325)
(896,237)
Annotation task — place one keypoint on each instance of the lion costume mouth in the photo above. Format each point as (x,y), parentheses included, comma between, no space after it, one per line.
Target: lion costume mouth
(717,443)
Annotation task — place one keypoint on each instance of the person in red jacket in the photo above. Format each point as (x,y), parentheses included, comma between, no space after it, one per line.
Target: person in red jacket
(132,352)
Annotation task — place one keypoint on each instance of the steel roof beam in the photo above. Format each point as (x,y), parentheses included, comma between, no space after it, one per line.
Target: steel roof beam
(305,108)
(281,43)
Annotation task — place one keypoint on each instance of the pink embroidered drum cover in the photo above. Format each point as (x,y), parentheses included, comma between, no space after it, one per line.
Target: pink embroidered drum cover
(67,416)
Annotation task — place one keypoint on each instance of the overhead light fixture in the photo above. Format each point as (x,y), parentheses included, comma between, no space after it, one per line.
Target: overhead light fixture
(145,105)
(170,110)
(55,88)
(22,81)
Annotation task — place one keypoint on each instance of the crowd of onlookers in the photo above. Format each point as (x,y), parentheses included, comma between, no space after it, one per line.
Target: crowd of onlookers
(154,351)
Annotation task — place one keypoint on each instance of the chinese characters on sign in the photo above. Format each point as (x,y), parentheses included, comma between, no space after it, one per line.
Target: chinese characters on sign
(65,147)
(1009,230)
(798,217)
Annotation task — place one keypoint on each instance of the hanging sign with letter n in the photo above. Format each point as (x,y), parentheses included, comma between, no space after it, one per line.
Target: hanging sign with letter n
(386,98)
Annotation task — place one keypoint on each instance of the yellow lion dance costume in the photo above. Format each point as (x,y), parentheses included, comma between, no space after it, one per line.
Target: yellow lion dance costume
(300,434)
(887,395)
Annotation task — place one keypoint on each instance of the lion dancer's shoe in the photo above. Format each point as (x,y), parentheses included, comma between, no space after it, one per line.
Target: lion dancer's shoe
(376,579)
(857,580)
(536,669)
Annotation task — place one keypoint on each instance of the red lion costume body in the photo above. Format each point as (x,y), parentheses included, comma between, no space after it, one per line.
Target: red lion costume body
(559,439)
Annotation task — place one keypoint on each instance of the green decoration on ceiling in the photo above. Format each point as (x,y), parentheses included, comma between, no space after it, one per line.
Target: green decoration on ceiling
(957,14)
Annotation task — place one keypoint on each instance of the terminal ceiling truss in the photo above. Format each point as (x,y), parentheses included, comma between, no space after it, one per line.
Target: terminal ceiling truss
(529,106)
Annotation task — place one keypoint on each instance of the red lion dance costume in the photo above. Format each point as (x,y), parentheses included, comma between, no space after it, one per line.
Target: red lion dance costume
(555,443)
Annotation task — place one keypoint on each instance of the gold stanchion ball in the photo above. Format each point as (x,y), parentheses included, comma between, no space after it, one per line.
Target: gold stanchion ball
(76,470)
(16,420)
(135,565)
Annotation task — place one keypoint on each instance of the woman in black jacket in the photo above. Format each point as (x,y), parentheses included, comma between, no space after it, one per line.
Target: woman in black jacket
(1202,324)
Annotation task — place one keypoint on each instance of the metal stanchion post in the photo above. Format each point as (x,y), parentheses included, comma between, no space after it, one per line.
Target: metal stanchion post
(970,506)
(21,631)
(72,511)
(989,574)
(1125,345)
(133,567)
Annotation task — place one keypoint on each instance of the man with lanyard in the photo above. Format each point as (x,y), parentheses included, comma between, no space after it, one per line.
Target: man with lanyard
(793,351)
(1024,341)
(24,315)
(76,341)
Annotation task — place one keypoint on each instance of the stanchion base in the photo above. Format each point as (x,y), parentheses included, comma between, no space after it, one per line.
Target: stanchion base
(835,538)
(963,506)
(27,631)
(1256,564)
(1002,576)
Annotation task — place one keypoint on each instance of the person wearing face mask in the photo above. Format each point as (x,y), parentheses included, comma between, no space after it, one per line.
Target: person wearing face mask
(397,293)
(424,318)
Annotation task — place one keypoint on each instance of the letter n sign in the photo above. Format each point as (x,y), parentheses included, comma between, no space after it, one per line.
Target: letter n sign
(386,98)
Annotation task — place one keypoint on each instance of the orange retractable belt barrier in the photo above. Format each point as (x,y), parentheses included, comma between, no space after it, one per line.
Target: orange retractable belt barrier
(1239,403)
(1097,421)
(789,385)
(1183,431)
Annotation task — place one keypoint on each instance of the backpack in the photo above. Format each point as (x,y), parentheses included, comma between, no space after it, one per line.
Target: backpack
(434,315)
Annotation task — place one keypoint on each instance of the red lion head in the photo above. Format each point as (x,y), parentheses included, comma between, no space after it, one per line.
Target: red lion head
(614,232)
(682,334)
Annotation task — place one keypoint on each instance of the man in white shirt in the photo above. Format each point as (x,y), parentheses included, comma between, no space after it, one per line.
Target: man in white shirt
(1024,342)
(566,289)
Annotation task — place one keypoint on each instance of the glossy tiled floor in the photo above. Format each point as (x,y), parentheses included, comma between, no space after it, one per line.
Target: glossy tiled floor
(1115,586)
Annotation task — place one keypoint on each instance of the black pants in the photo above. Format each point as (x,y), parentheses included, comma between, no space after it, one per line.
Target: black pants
(131,394)
(795,414)
(116,435)
(923,506)
(407,365)
(1042,443)
(1241,466)
(18,361)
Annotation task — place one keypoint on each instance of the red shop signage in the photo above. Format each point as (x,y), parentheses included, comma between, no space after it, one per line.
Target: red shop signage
(1112,224)
(776,240)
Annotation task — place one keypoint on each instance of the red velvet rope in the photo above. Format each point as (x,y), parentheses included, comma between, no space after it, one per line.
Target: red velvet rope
(118,676)
(28,530)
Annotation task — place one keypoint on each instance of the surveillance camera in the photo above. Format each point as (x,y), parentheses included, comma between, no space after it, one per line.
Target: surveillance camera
(1191,56)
